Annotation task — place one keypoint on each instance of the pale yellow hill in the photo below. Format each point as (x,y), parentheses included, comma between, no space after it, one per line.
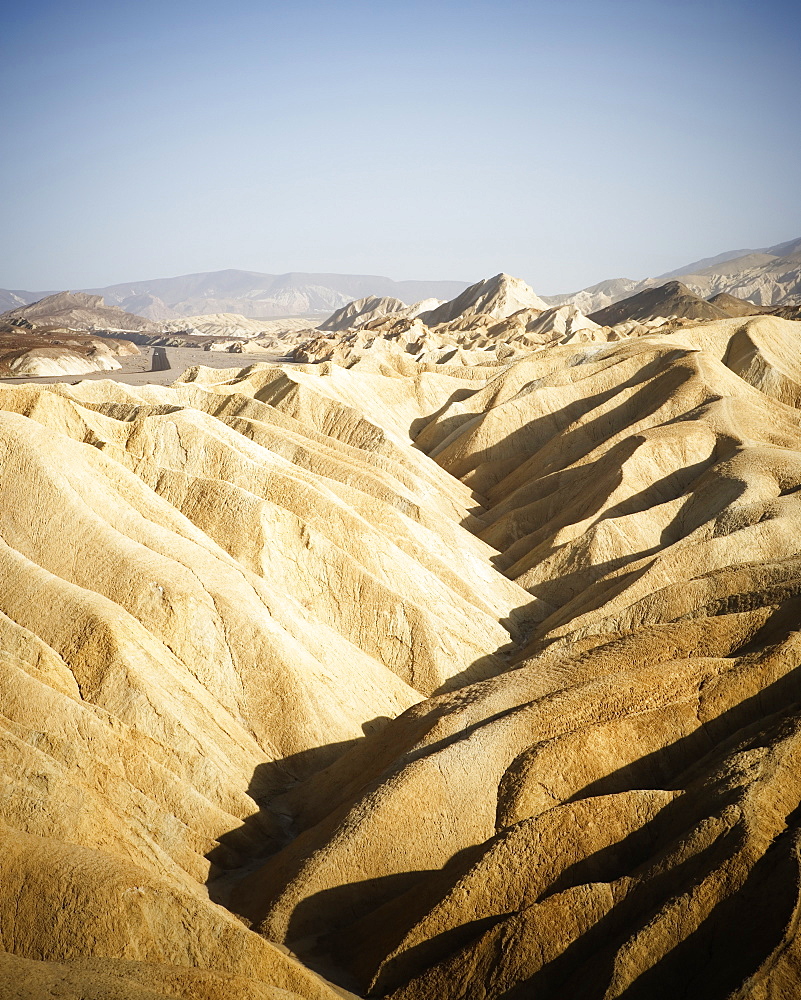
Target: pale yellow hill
(613,798)
(208,599)
(444,679)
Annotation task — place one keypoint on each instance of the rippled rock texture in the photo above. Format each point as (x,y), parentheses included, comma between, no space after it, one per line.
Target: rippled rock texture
(408,679)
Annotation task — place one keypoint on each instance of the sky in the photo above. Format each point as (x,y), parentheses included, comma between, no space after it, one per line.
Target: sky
(562,142)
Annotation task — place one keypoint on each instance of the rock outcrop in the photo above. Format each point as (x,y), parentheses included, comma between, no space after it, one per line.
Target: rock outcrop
(496,297)
(472,323)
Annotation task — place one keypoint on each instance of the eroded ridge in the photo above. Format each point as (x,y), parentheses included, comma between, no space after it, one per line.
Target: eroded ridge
(436,679)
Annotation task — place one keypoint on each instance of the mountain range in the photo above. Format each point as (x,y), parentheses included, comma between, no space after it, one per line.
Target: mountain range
(249,293)
(767,276)
(76,311)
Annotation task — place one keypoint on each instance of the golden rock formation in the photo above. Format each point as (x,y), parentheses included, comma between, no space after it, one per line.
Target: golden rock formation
(408,678)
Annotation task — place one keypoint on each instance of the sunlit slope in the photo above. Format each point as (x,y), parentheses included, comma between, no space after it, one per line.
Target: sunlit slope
(620,811)
(204,598)
(457,681)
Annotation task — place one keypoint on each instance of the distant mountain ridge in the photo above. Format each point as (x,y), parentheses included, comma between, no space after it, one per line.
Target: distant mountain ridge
(767,276)
(249,293)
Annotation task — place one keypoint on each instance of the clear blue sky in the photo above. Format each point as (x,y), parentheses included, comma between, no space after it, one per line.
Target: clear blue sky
(561,142)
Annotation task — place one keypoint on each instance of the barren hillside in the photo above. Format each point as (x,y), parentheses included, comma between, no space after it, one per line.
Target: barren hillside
(77,311)
(443,674)
(770,277)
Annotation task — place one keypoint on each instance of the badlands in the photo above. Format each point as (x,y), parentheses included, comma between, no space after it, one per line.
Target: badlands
(73,333)
(27,352)
(458,661)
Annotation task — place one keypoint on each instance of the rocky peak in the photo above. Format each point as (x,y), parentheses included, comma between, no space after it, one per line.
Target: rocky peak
(498,297)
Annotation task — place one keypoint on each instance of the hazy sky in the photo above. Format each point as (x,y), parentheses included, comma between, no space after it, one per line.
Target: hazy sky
(563,142)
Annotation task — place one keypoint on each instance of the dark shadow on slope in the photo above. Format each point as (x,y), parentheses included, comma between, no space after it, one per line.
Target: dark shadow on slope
(735,938)
(583,969)
(580,494)
(742,722)
(587,589)
(344,898)
(265,832)
(351,901)
(549,982)
(590,595)
(556,447)
(712,961)
(391,903)
(324,954)
(429,953)
(702,963)
(486,667)
(413,892)
(314,950)
(563,497)
(419,425)
(530,623)
(662,767)
(548,440)
(672,768)
(593,598)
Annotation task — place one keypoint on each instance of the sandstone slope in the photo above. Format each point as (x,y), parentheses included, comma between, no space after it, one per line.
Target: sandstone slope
(610,815)
(442,679)
(218,587)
